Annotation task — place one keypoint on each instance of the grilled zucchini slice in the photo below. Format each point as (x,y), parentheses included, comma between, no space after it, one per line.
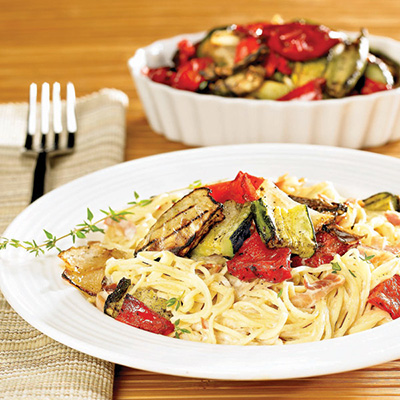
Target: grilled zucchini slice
(276,197)
(383,201)
(227,237)
(183,225)
(285,227)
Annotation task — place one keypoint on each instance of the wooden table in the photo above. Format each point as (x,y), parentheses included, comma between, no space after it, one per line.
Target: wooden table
(89,43)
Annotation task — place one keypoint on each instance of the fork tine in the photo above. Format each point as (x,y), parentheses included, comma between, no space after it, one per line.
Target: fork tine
(57,111)
(71,116)
(31,117)
(44,115)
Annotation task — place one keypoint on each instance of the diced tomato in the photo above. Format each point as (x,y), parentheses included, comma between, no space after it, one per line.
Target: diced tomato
(328,245)
(246,47)
(255,260)
(189,75)
(371,86)
(243,188)
(310,91)
(135,313)
(186,51)
(386,296)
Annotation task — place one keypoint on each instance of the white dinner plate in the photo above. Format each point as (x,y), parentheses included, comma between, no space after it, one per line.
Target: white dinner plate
(34,288)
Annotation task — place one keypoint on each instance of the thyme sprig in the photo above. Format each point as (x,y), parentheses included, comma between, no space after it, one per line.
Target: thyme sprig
(178,330)
(175,301)
(80,231)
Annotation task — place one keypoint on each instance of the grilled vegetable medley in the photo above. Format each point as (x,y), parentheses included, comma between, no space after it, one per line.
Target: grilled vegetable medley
(279,61)
(248,249)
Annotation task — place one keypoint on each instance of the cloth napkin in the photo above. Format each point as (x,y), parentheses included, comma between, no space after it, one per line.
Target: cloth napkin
(33,366)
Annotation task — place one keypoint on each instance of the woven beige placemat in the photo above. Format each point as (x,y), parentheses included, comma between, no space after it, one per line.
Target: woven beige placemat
(33,366)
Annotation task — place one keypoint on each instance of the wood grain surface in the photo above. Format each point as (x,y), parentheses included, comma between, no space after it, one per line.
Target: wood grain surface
(89,42)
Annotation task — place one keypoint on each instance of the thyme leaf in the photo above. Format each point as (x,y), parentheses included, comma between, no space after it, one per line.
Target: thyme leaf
(335,267)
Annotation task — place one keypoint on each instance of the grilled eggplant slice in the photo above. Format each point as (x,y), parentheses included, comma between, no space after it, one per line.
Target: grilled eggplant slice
(343,235)
(246,81)
(182,226)
(346,65)
(322,206)
(383,201)
(227,237)
(84,266)
(114,300)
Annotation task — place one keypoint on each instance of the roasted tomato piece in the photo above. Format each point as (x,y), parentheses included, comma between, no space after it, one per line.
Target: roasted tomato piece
(135,313)
(255,260)
(386,296)
(328,245)
(243,188)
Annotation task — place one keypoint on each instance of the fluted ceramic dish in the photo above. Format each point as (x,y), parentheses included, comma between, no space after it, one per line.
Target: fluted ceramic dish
(34,288)
(205,120)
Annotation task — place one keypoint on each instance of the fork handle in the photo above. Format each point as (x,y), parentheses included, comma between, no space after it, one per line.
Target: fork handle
(39,176)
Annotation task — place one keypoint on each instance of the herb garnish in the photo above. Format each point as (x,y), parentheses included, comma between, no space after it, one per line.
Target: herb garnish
(80,232)
(367,258)
(178,330)
(352,273)
(280,293)
(335,267)
(177,301)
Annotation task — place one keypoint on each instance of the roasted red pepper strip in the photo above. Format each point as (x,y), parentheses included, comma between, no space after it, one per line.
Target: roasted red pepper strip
(246,47)
(310,91)
(276,62)
(386,296)
(162,75)
(135,313)
(298,41)
(188,76)
(243,188)
(255,260)
(186,51)
(371,86)
(328,245)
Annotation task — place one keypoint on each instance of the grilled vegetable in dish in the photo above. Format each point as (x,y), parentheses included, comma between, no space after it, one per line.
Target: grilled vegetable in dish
(279,60)
(147,314)
(244,261)
(84,266)
(346,65)
(226,237)
(383,201)
(182,227)
(279,226)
